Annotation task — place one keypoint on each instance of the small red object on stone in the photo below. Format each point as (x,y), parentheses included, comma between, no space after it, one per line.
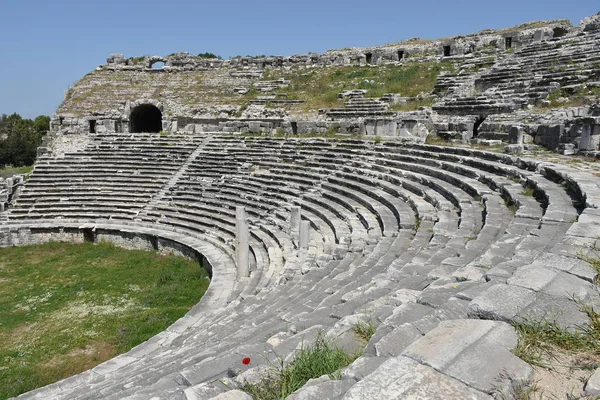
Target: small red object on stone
(246,361)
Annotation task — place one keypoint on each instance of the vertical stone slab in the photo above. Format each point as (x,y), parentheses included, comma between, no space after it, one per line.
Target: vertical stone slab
(304,234)
(590,137)
(515,135)
(9,185)
(370,127)
(295,217)
(242,248)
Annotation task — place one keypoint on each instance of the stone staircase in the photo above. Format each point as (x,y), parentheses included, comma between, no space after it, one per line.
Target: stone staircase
(522,79)
(358,106)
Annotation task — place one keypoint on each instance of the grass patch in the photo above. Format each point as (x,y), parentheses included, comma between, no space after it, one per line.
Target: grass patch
(581,97)
(593,261)
(512,207)
(319,88)
(65,308)
(322,358)
(529,192)
(542,340)
(436,140)
(9,171)
(365,330)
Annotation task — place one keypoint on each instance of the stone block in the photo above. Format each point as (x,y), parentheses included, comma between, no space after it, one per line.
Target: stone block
(361,367)
(397,340)
(330,390)
(477,353)
(515,135)
(590,138)
(592,387)
(232,395)
(501,302)
(402,378)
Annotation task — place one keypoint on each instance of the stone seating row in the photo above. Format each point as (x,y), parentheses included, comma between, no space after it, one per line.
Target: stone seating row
(393,279)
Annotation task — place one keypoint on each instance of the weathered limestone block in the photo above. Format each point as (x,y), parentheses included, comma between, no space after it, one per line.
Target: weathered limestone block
(591,23)
(403,378)
(592,387)
(477,353)
(549,136)
(380,127)
(519,304)
(233,395)
(329,390)
(590,137)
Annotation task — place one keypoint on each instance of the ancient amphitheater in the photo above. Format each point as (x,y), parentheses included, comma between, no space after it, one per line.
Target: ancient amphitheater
(442,248)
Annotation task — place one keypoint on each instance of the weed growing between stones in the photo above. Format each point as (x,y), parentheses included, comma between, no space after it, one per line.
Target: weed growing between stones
(593,261)
(529,192)
(520,390)
(543,340)
(365,330)
(322,358)
(512,207)
(9,171)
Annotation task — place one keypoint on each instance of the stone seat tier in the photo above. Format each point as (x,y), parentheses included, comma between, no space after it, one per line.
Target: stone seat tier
(359,225)
(215,355)
(558,204)
(321,220)
(266,251)
(406,283)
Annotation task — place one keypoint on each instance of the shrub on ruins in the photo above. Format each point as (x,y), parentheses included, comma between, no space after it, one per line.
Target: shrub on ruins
(20,138)
(208,55)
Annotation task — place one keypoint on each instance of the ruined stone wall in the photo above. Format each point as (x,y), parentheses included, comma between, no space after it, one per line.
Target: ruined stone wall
(511,38)
(198,95)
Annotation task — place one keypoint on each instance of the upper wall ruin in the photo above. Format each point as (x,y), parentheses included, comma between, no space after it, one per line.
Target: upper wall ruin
(506,39)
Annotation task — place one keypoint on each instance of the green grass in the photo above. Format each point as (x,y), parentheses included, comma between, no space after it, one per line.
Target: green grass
(65,308)
(319,88)
(9,171)
(593,261)
(529,192)
(510,204)
(365,330)
(542,340)
(322,358)
(581,97)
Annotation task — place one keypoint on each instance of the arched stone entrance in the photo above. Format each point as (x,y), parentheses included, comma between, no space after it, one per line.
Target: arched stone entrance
(145,118)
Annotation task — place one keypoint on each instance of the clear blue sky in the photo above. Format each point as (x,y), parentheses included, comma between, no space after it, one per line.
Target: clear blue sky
(48,45)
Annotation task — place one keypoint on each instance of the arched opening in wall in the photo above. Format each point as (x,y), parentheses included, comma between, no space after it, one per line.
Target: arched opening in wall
(446,51)
(145,118)
(92,126)
(400,55)
(477,124)
(369,57)
(559,32)
(157,65)
(508,43)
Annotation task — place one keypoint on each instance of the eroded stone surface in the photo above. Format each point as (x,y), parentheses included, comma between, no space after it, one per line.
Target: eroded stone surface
(474,352)
(405,379)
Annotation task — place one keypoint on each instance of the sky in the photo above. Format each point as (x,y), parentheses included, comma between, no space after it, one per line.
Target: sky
(47,46)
